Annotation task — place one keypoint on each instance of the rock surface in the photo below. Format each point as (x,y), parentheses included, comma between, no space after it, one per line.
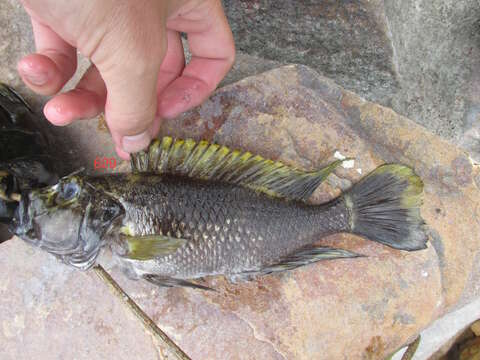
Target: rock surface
(437,340)
(437,48)
(419,57)
(347,41)
(371,306)
(49,311)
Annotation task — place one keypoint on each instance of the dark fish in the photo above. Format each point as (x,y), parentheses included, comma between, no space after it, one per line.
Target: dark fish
(194,209)
(23,147)
(24,162)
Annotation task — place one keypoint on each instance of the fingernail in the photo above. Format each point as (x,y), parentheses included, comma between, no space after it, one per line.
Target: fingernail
(37,79)
(136,143)
(32,73)
(124,155)
(57,113)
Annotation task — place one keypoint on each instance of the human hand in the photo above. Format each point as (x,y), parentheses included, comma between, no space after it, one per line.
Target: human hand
(138,74)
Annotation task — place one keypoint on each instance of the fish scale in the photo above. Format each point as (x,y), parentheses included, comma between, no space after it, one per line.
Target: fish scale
(228,228)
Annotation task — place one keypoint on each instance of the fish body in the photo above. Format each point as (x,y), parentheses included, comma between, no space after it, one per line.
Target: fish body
(195,209)
(230,229)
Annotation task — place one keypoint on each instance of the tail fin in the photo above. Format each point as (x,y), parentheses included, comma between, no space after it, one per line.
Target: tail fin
(385,207)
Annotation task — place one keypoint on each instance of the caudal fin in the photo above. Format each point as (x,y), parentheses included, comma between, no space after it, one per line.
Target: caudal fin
(385,207)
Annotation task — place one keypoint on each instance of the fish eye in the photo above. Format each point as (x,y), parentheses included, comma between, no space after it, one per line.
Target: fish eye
(69,191)
(108,214)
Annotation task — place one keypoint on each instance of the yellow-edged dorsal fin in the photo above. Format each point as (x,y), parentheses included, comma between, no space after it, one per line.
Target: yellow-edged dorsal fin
(206,161)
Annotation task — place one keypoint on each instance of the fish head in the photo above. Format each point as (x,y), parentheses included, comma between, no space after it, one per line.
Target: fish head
(69,219)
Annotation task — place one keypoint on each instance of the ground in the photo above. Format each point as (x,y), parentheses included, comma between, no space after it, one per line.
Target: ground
(370,305)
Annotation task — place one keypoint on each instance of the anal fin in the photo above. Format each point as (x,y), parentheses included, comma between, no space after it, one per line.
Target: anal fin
(305,256)
(172,282)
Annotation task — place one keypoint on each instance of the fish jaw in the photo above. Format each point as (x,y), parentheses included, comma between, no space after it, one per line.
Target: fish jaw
(71,227)
(58,233)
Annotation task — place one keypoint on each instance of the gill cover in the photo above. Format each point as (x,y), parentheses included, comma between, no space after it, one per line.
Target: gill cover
(68,220)
(95,223)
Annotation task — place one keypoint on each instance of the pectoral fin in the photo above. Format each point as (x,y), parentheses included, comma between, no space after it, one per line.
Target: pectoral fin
(148,247)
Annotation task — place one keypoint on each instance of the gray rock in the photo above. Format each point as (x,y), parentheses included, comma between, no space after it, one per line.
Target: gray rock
(344,40)
(437,52)
(419,57)
(15,41)
(248,65)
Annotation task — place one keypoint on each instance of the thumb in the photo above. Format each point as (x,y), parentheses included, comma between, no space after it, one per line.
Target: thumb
(128,59)
(131,106)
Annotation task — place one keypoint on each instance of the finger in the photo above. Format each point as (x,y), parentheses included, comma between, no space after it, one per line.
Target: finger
(134,143)
(131,102)
(173,63)
(130,110)
(192,89)
(213,52)
(86,101)
(55,62)
(122,153)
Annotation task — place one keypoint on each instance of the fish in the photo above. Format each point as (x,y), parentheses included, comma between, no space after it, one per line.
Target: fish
(24,160)
(191,209)
(24,152)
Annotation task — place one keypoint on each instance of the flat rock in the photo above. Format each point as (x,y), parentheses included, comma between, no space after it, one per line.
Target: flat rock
(419,57)
(371,305)
(49,311)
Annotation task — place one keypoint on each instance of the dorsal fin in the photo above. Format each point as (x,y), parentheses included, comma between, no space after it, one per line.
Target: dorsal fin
(202,160)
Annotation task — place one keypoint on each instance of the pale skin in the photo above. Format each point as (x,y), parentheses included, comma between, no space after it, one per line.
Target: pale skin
(138,75)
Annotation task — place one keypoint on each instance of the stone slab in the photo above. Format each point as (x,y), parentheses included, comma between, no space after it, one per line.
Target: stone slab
(419,57)
(371,306)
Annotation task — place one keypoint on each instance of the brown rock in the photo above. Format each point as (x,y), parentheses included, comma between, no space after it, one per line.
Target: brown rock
(361,308)
(370,306)
(49,311)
